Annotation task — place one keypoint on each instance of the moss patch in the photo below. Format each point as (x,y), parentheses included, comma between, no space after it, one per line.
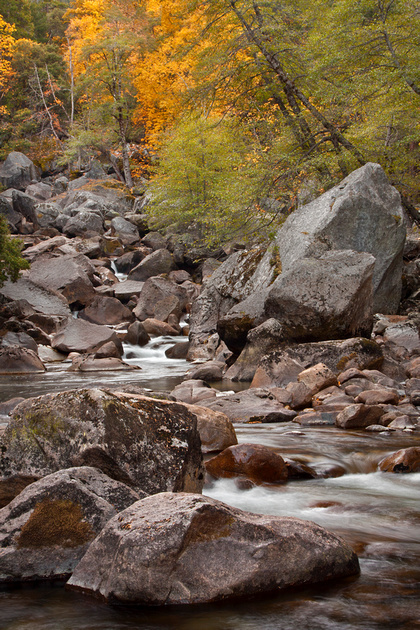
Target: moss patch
(53,523)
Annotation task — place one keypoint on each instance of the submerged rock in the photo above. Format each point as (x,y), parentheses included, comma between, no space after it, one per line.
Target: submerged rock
(188,549)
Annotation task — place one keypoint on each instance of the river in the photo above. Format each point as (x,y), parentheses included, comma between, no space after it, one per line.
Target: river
(377,513)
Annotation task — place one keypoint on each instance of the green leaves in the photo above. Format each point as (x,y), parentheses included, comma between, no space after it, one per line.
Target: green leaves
(11,261)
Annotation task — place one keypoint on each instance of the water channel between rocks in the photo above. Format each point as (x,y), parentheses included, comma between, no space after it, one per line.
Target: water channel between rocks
(377,513)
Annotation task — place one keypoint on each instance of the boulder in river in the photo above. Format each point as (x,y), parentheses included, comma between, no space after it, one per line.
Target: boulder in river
(256,462)
(407,460)
(152,445)
(80,336)
(18,360)
(189,549)
(160,261)
(48,527)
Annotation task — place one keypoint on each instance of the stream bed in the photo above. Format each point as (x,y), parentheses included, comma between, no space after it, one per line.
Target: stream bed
(377,513)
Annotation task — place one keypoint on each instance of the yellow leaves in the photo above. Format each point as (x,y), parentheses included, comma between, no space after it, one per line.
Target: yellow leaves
(7,44)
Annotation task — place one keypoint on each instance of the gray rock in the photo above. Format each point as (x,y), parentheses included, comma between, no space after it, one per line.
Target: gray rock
(106,311)
(25,205)
(40,191)
(364,214)
(251,405)
(18,171)
(81,336)
(21,339)
(160,261)
(151,445)
(47,213)
(69,275)
(329,297)
(125,231)
(86,223)
(43,300)
(13,218)
(260,341)
(189,549)
(47,528)
(155,290)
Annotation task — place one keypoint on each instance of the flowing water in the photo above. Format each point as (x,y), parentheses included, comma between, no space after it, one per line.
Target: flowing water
(377,513)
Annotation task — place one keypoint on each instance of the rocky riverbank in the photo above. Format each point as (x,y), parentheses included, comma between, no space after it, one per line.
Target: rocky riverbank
(323,324)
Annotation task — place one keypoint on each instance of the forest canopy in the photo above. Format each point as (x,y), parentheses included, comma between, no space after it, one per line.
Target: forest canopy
(232,112)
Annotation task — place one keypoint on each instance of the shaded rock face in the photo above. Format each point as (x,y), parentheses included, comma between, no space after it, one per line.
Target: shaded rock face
(17,171)
(151,445)
(329,297)
(256,462)
(106,311)
(17,360)
(280,367)
(81,336)
(47,528)
(238,277)
(186,549)
(42,300)
(364,214)
(69,275)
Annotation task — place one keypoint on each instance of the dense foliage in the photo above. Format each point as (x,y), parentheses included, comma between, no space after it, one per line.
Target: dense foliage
(237,110)
(11,261)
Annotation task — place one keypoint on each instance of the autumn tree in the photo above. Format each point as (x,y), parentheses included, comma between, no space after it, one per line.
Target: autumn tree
(105,47)
(6,49)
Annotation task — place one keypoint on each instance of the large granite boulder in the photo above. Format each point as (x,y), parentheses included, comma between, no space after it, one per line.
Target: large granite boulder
(47,528)
(18,360)
(42,300)
(188,549)
(215,429)
(78,335)
(69,275)
(154,292)
(363,213)
(18,171)
(160,261)
(152,445)
(106,311)
(329,297)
